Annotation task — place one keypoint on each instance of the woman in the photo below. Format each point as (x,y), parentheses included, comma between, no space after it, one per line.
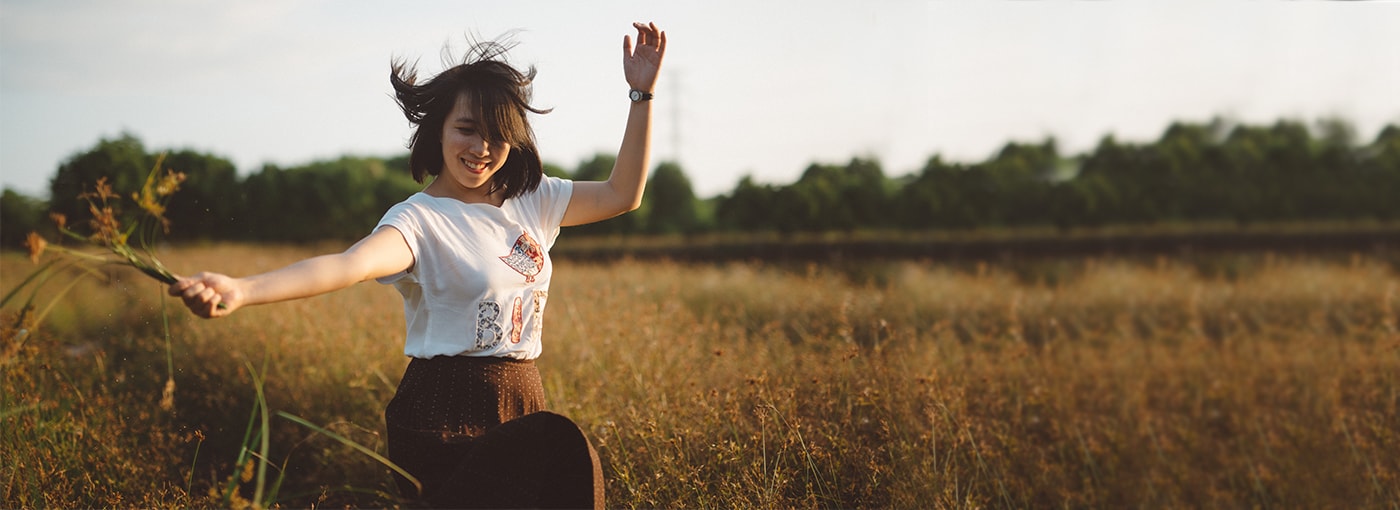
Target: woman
(469,254)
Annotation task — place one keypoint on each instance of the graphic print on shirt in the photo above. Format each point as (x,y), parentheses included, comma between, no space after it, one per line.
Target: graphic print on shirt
(525,257)
(488,332)
(516,322)
(538,329)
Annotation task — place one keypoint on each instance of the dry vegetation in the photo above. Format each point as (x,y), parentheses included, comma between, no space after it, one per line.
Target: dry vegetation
(1248,381)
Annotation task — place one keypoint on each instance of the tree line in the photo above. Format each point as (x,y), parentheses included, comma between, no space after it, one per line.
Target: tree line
(1195,172)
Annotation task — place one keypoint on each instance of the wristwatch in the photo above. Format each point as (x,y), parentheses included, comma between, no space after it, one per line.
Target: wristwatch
(639,96)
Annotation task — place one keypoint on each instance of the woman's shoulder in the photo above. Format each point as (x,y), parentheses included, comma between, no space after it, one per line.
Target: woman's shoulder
(544,206)
(549,185)
(415,204)
(421,201)
(550,188)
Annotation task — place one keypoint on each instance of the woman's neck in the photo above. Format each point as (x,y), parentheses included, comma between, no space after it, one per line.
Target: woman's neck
(444,188)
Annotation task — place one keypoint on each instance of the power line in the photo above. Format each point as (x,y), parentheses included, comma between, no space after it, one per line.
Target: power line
(676,117)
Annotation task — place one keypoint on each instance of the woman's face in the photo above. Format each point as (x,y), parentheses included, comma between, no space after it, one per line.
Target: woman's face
(468,159)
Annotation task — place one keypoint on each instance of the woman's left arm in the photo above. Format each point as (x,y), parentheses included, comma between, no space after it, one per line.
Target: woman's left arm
(622,192)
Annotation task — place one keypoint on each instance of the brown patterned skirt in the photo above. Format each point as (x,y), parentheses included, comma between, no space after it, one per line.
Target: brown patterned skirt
(474,432)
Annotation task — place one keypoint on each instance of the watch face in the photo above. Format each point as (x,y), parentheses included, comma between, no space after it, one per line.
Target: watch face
(636,95)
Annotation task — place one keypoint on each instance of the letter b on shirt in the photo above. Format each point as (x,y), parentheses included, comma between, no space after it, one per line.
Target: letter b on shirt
(488,328)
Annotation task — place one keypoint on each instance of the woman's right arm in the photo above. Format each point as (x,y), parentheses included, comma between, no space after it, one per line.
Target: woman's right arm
(382,253)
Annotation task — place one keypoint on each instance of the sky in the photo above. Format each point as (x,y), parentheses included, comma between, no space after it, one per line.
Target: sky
(757,88)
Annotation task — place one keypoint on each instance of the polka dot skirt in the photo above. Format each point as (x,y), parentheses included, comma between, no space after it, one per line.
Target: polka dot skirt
(461,395)
(444,402)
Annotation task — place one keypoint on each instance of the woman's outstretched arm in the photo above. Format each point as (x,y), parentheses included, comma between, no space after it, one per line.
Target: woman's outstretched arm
(622,192)
(381,253)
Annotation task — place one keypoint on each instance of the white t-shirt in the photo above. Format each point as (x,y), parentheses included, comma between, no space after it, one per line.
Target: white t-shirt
(480,276)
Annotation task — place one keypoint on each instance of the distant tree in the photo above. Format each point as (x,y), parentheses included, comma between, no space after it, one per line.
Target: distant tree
(1082,201)
(938,197)
(1334,173)
(1018,180)
(553,170)
(339,199)
(206,206)
(1380,167)
(209,201)
(749,207)
(122,161)
(868,194)
(673,205)
(1148,183)
(705,220)
(1269,167)
(598,168)
(814,203)
(19,215)
(919,203)
(1216,170)
(834,197)
(1181,175)
(1110,163)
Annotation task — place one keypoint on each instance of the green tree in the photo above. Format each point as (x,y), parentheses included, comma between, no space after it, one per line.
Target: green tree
(814,203)
(834,197)
(1380,167)
(868,194)
(210,200)
(340,199)
(553,170)
(673,205)
(206,207)
(598,168)
(747,208)
(1111,164)
(123,161)
(19,215)
(942,195)
(1018,182)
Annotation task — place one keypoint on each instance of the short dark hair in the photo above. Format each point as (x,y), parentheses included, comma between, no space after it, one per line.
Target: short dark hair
(500,96)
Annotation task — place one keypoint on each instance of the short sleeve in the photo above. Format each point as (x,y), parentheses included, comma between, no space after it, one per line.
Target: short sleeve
(554,200)
(400,217)
(551,200)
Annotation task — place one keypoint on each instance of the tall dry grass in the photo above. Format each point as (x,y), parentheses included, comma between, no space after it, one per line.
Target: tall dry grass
(1247,381)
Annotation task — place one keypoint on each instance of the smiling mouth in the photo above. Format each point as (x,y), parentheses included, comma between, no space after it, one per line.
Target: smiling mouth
(476,168)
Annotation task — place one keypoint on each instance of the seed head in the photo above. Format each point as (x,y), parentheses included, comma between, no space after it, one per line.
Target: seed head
(36,245)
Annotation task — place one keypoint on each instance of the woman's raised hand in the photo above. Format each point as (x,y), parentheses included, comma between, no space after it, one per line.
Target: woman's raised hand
(642,64)
(209,295)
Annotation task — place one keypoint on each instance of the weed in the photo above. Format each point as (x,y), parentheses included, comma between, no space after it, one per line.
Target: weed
(1119,384)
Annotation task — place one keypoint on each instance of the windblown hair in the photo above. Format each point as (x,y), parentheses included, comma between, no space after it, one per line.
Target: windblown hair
(500,96)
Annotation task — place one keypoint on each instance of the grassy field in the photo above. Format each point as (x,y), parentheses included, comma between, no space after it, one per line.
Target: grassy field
(1238,381)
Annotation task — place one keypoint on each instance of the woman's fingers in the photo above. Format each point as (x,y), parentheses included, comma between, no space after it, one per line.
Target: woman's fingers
(192,291)
(640,64)
(211,306)
(648,34)
(206,303)
(200,294)
(197,297)
(177,289)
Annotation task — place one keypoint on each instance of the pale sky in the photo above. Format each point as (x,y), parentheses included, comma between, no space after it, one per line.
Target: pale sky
(755,87)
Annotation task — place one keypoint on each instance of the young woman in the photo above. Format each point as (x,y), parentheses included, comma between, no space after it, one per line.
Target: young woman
(470,255)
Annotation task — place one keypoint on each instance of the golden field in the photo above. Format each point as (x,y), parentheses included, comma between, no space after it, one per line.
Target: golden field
(1238,381)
